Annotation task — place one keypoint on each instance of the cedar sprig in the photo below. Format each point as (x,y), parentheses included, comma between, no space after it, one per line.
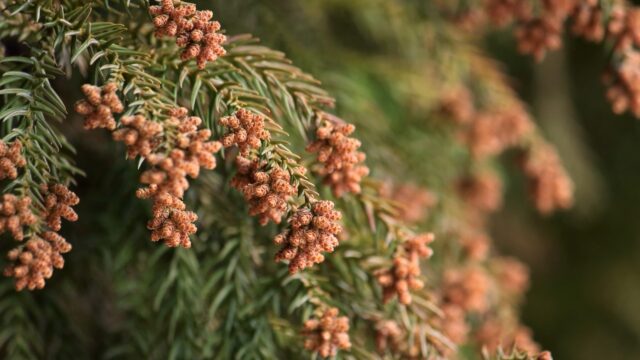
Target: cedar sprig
(268,176)
(99,106)
(327,333)
(32,262)
(338,153)
(193,29)
(176,147)
(405,273)
(35,159)
(313,229)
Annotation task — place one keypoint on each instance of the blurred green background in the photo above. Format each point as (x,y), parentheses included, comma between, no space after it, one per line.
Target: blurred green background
(585,263)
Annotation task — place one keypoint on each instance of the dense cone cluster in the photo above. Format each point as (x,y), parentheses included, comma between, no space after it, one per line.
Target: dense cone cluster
(481,190)
(11,159)
(587,20)
(489,132)
(623,83)
(492,132)
(413,201)
(475,245)
(502,12)
(58,200)
(457,104)
(312,231)
(624,27)
(15,214)
(268,186)
(99,106)
(512,275)
(167,177)
(176,149)
(621,78)
(34,262)
(467,288)
(536,34)
(454,325)
(246,131)
(477,285)
(267,191)
(549,185)
(342,163)
(327,334)
(404,275)
(191,150)
(194,31)
(539,35)
(170,223)
(138,134)
(389,335)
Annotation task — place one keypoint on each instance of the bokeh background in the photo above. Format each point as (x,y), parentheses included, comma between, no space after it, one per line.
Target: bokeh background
(585,263)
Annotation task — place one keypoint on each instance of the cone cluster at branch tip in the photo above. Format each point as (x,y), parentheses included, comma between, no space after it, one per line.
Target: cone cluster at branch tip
(99,106)
(187,150)
(537,36)
(512,275)
(475,245)
(190,150)
(623,82)
(404,275)
(621,78)
(266,188)
(389,336)
(327,334)
(58,200)
(140,135)
(246,131)
(549,184)
(536,33)
(312,231)
(502,12)
(176,149)
(492,132)
(488,132)
(33,262)
(481,190)
(467,288)
(267,191)
(194,31)
(457,104)
(11,159)
(454,324)
(624,27)
(15,214)
(413,201)
(170,222)
(587,20)
(341,163)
